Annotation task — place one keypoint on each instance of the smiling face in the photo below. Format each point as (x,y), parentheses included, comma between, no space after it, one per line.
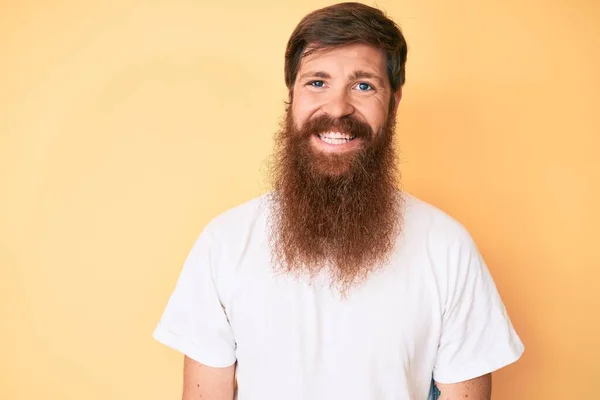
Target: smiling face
(335,174)
(336,204)
(347,83)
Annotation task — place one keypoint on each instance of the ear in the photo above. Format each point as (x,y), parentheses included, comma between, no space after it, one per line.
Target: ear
(397,98)
(288,102)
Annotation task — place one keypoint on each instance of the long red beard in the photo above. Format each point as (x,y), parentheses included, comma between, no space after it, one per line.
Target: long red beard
(339,212)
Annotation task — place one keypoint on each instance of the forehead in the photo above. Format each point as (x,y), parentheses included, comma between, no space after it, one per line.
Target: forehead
(346,59)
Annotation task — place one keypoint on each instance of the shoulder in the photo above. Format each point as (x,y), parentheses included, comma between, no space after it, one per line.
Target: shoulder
(447,248)
(426,221)
(231,232)
(230,237)
(239,218)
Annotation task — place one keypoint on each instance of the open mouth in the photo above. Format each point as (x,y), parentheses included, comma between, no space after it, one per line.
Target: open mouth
(336,138)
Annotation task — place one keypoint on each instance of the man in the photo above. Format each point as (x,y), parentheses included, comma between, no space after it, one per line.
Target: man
(336,285)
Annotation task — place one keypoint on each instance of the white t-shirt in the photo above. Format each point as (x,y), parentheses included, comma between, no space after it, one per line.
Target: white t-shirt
(432,313)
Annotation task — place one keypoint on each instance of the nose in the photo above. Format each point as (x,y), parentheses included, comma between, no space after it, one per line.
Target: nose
(338,105)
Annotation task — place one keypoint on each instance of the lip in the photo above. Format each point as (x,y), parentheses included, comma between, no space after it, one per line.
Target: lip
(335,148)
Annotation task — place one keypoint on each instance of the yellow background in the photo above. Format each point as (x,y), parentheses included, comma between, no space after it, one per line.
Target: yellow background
(126,125)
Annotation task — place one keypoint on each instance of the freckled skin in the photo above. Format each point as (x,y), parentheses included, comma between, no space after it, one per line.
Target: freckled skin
(202,382)
(474,389)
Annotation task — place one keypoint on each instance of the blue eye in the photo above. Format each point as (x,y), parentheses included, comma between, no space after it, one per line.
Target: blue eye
(364,87)
(317,84)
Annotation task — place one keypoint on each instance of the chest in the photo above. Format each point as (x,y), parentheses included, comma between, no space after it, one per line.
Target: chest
(391,317)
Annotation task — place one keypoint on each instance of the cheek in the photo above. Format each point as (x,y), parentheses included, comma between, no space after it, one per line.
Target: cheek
(301,110)
(297,117)
(376,118)
(373,110)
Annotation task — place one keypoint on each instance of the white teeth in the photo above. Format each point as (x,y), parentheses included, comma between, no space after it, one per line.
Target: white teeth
(335,137)
(334,141)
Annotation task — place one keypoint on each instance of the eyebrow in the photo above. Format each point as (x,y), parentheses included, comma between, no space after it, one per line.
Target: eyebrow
(315,74)
(358,74)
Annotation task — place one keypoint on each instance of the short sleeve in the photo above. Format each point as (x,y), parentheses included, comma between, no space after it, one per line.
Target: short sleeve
(194,321)
(477,336)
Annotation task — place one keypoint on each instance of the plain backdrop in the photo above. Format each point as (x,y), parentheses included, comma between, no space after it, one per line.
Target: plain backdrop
(125,126)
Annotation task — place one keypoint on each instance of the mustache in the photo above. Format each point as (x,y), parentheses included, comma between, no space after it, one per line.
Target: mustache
(349,125)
